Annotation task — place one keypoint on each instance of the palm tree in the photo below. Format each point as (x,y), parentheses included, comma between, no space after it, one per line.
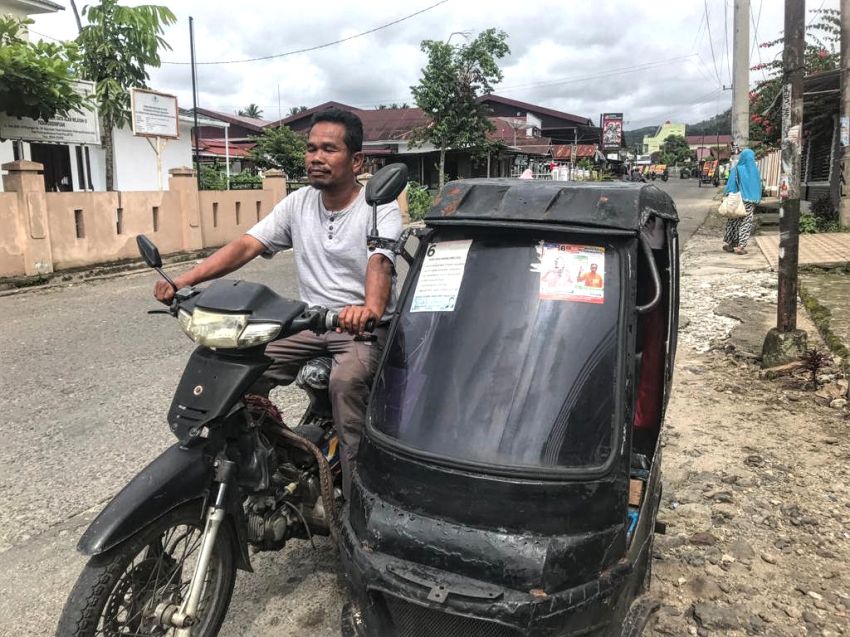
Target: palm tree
(252,110)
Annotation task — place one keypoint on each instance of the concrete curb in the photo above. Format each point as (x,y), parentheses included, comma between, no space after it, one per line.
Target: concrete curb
(821,316)
(23,285)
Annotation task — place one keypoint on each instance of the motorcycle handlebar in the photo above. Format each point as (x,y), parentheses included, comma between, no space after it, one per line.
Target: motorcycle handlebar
(332,321)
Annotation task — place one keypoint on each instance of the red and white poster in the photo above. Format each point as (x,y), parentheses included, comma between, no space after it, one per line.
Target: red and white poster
(571,272)
(612,130)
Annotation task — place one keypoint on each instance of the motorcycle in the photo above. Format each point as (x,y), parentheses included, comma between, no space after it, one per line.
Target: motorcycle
(509,477)
(165,551)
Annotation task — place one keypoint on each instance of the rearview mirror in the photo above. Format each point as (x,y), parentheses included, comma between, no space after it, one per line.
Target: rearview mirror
(386,184)
(149,251)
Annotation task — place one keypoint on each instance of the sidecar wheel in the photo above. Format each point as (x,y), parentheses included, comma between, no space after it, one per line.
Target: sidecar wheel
(118,592)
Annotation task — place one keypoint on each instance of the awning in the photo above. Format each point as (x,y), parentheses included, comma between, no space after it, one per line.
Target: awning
(565,151)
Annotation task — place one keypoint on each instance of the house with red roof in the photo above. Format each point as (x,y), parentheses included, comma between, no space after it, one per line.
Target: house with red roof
(523,130)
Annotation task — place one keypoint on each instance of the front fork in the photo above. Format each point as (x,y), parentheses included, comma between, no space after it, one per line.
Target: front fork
(185,616)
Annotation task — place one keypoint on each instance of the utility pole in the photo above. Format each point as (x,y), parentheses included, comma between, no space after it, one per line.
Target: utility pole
(197,129)
(844,199)
(786,343)
(741,75)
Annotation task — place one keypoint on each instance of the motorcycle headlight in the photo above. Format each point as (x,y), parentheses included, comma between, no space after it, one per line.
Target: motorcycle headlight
(226,331)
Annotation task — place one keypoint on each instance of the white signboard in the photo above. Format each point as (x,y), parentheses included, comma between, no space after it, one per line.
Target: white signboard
(154,114)
(78,127)
(440,277)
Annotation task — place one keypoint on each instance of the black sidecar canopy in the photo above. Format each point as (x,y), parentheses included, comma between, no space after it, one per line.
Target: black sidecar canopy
(617,206)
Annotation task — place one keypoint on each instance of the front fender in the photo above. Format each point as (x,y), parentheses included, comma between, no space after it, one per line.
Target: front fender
(178,475)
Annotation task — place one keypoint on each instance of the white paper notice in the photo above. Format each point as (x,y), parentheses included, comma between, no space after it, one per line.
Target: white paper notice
(440,277)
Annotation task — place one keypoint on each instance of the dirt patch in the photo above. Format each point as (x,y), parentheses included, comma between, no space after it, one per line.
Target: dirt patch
(756,494)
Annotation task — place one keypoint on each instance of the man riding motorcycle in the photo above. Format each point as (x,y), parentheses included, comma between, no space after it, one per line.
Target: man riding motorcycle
(326,225)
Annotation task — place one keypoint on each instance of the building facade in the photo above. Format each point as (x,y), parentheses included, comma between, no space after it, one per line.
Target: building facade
(652,143)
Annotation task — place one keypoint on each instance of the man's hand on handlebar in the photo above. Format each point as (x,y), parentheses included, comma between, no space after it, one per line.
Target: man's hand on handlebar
(164,293)
(357,319)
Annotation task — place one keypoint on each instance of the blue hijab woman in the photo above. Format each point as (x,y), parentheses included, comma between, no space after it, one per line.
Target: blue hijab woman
(745,179)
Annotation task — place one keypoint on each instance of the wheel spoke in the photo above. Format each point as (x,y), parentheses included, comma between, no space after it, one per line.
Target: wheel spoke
(152,578)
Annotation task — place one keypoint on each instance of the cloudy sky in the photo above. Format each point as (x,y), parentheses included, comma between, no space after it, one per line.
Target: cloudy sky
(651,60)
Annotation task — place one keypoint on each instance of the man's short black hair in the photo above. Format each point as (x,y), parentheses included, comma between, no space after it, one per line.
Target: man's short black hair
(353,126)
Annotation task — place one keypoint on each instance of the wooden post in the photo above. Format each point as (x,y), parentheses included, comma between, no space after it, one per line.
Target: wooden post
(789,188)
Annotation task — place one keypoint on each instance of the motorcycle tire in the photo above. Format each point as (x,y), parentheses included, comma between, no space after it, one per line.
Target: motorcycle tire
(106,600)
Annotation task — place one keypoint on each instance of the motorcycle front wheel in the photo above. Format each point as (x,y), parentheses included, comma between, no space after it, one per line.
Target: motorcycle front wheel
(119,591)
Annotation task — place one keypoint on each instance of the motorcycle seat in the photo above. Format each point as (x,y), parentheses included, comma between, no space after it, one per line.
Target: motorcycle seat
(315,374)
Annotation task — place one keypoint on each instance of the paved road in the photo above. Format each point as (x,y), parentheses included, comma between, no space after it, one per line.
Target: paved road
(86,377)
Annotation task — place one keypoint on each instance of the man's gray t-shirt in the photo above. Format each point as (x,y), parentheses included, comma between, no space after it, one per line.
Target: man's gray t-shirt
(329,247)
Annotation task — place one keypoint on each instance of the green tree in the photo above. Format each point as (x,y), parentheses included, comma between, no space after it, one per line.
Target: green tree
(675,150)
(252,110)
(36,78)
(295,110)
(280,147)
(823,40)
(118,44)
(451,82)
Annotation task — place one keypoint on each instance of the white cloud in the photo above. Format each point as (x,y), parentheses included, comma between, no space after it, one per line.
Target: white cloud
(582,57)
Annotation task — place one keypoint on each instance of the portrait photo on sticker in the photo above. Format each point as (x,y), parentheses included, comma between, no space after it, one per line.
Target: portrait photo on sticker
(570,272)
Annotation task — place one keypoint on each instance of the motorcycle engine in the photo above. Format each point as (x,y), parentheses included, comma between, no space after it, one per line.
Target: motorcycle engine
(268,524)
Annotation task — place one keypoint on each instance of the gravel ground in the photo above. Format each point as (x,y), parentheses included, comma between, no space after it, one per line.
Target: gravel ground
(756,478)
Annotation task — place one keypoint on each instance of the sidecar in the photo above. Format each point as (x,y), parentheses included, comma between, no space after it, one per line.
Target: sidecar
(509,478)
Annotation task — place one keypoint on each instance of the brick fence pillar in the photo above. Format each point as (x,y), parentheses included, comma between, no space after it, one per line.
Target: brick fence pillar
(184,181)
(274,182)
(25,178)
(364,178)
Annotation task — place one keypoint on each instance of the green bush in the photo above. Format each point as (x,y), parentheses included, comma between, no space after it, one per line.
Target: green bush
(212,178)
(808,224)
(419,200)
(246,181)
(825,214)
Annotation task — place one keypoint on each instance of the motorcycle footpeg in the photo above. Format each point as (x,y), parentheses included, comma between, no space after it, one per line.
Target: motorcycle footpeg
(370,338)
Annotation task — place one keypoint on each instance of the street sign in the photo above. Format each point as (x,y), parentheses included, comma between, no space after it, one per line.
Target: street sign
(154,114)
(78,127)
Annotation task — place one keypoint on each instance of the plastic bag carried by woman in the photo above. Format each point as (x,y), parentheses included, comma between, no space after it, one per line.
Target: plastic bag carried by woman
(745,181)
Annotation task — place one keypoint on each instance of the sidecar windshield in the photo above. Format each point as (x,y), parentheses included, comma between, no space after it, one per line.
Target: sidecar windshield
(506,353)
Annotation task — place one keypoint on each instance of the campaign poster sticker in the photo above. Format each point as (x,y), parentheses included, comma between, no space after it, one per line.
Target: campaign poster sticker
(440,277)
(570,272)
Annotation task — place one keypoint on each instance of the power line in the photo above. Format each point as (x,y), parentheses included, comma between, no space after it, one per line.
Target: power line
(710,42)
(319,46)
(44,35)
(611,72)
(699,32)
(563,80)
(695,102)
(755,22)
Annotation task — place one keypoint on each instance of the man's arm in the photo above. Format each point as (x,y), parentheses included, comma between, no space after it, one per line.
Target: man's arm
(379,281)
(223,261)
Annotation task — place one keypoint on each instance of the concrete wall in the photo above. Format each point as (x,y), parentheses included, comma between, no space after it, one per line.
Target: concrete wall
(226,213)
(95,216)
(42,232)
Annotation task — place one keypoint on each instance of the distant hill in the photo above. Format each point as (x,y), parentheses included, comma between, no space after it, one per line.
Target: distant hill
(719,124)
(634,137)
